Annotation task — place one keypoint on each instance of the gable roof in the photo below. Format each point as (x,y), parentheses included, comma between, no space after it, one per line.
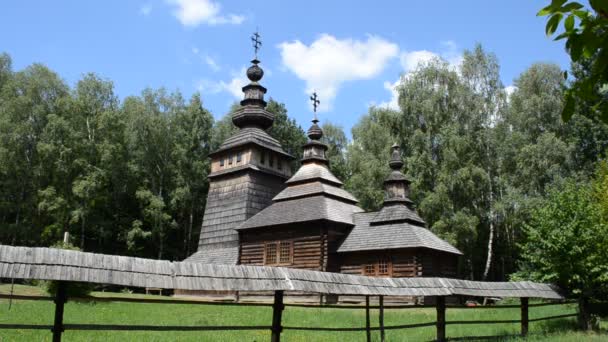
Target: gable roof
(367,237)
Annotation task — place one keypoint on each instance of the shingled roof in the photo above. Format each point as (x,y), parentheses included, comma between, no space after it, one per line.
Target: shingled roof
(396,225)
(252,135)
(367,237)
(313,193)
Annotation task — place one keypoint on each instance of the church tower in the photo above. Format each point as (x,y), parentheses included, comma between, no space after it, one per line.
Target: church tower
(247,171)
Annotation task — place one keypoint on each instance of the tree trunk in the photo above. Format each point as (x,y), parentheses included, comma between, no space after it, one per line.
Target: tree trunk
(82,234)
(486,271)
(584,317)
(190,224)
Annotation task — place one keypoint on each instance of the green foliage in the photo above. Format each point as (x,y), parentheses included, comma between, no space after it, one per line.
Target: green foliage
(586,34)
(567,236)
(334,137)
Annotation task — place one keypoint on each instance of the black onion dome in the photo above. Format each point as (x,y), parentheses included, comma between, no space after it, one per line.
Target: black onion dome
(254,72)
(315,132)
(395,163)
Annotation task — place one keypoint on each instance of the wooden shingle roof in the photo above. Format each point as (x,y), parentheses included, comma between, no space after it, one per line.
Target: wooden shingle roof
(65,265)
(391,235)
(252,135)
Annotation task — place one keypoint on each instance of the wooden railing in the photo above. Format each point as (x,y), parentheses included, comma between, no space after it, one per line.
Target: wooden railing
(278,306)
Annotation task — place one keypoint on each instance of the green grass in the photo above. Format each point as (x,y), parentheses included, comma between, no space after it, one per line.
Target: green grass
(41,312)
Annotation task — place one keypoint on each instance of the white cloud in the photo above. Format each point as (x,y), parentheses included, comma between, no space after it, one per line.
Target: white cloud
(328,62)
(510,90)
(410,60)
(211,63)
(195,12)
(233,86)
(145,10)
(393,103)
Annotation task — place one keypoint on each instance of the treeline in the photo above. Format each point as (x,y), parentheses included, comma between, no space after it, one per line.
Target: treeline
(481,161)
(130,177)
(123,177)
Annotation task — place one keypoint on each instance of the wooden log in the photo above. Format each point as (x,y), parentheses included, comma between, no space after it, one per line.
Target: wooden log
(381,317)
(60,299)
(277,313)
(524,316)
(368,332)
(440,319)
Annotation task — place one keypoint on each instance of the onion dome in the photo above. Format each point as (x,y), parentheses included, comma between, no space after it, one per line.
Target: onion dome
(253,112)
(396,185)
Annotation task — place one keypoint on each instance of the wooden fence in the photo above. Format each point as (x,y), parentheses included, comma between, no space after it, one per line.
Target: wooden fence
(276,326)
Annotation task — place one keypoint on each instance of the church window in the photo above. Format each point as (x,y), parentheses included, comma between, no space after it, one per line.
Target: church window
(271,160)
(381,268)
(230,159)
(222,162)
(278,253)
(262,157)
(279,164)
(285,252)
(270,253)
(239,156)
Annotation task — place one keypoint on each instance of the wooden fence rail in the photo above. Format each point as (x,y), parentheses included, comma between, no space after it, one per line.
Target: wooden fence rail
(278,306)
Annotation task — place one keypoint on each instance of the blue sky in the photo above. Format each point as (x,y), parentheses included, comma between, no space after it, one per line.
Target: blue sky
(351,52)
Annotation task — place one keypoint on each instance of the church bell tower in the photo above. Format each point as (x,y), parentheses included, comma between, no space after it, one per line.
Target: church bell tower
(247,171)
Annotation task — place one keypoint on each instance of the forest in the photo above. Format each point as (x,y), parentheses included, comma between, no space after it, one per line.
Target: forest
(497,173)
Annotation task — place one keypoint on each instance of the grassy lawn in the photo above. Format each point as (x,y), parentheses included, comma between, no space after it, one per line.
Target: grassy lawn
(41,312)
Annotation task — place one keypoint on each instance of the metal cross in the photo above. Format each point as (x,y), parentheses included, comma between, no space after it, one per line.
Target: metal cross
(315,101)
(255,38)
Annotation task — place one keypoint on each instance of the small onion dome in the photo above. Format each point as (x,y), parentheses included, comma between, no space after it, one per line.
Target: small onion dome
(395,163)
(254,72)
(315,132)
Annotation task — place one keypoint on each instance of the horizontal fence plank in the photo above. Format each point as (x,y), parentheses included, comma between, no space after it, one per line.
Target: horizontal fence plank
(553,303)
(504,321)
(409,326)
(322,329)
(552,317)
(26,326)
(114,327)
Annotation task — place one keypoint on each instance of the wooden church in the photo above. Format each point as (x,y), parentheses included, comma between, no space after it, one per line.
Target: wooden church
(258,213)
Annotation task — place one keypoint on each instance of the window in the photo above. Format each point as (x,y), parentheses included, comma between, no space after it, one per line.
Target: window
(222,162)
(381,268)
(262,157)
(279,164)
(270,253)
(239,156)
(278,253)
(285,252)
(271,160)
(230,159)
(370,270)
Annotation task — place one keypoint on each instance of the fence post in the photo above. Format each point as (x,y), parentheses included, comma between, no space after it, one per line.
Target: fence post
(367,321)
(381,317)
(277,313)
(60,299)
(524,316)
(440,319)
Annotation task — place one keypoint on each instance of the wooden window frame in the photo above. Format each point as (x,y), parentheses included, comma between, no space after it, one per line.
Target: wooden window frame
(375,265)
(262,157)
(271,160)
(222,162)
(277,257)
(230,159)
(239,156)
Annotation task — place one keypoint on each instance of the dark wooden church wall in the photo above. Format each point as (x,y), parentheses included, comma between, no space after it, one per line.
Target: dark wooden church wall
(403,263)
(308,245)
